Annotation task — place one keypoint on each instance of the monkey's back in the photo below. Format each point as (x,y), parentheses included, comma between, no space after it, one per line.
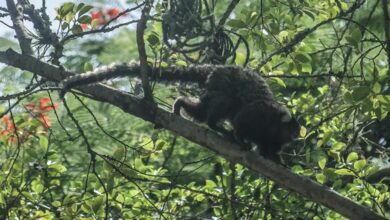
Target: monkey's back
(244,85)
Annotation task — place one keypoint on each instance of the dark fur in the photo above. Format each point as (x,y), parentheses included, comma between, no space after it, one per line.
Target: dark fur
(232,93)
(243,98)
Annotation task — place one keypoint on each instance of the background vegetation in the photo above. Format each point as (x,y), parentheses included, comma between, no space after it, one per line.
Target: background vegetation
(328,61)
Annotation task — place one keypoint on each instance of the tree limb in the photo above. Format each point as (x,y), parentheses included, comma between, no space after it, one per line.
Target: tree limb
(141,26)
(20,30)
(204,137)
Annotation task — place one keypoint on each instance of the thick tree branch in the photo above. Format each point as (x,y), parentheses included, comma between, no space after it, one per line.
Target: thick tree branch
(231,151)
(20,30)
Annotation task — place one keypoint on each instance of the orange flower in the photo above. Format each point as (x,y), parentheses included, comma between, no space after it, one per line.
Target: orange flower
(44,119)
(84,26)
(8,129)
(45,105)
(7,123)
(96,14)
(113,12)
(5,119)
(99,16)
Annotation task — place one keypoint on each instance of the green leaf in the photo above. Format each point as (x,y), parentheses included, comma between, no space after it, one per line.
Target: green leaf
(236,23)
(43,143)
(354,38)
(199,198)
(97,204)
(352,157)
(181,63)
(348,98)
(79,6)
(297,169)
(139,165)
(153,39)
(77,29)
(339,146)
(307,68)
(377,88)
(66,8)
(119,153)
(240,58)
(279,81)
(360,164)
(88,66)
(37,186)
(309,13)
(85,9)
(210,185)
(360,93)
(322,161)
(303,57)
(344,172)
(64,26)
(303,131)
(372,169)
(120,198)
(160,144)
(85,19)
(56,204)
(57,168)
(28,195)
(320,178)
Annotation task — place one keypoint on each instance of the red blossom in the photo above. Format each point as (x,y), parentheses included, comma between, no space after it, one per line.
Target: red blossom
(84,26)
(8,129)
(45,105)
(8,124)
(44,119)
(113,12)
(99,16)
(96,14)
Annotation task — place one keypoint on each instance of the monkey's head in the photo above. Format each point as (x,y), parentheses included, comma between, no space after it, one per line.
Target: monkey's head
(290,128)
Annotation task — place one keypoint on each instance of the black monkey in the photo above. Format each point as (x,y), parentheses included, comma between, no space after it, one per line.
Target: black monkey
(231,93)
(243,98)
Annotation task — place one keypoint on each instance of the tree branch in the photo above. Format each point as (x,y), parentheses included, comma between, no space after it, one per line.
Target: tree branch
(141,26)
(21,33)
(204,137)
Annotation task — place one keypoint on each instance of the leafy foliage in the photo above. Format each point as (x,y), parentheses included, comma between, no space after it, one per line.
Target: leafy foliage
(81,159)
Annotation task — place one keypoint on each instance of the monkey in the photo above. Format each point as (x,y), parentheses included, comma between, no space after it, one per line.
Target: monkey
(232,93)
(245,100)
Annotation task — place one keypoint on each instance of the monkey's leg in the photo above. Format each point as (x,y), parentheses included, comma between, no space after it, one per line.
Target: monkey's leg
(240,139)
(219,107)
(271,153)
(195,109)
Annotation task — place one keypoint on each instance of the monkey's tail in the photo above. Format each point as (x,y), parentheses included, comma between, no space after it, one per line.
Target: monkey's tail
(98,75)
(194,73)
(195,109)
